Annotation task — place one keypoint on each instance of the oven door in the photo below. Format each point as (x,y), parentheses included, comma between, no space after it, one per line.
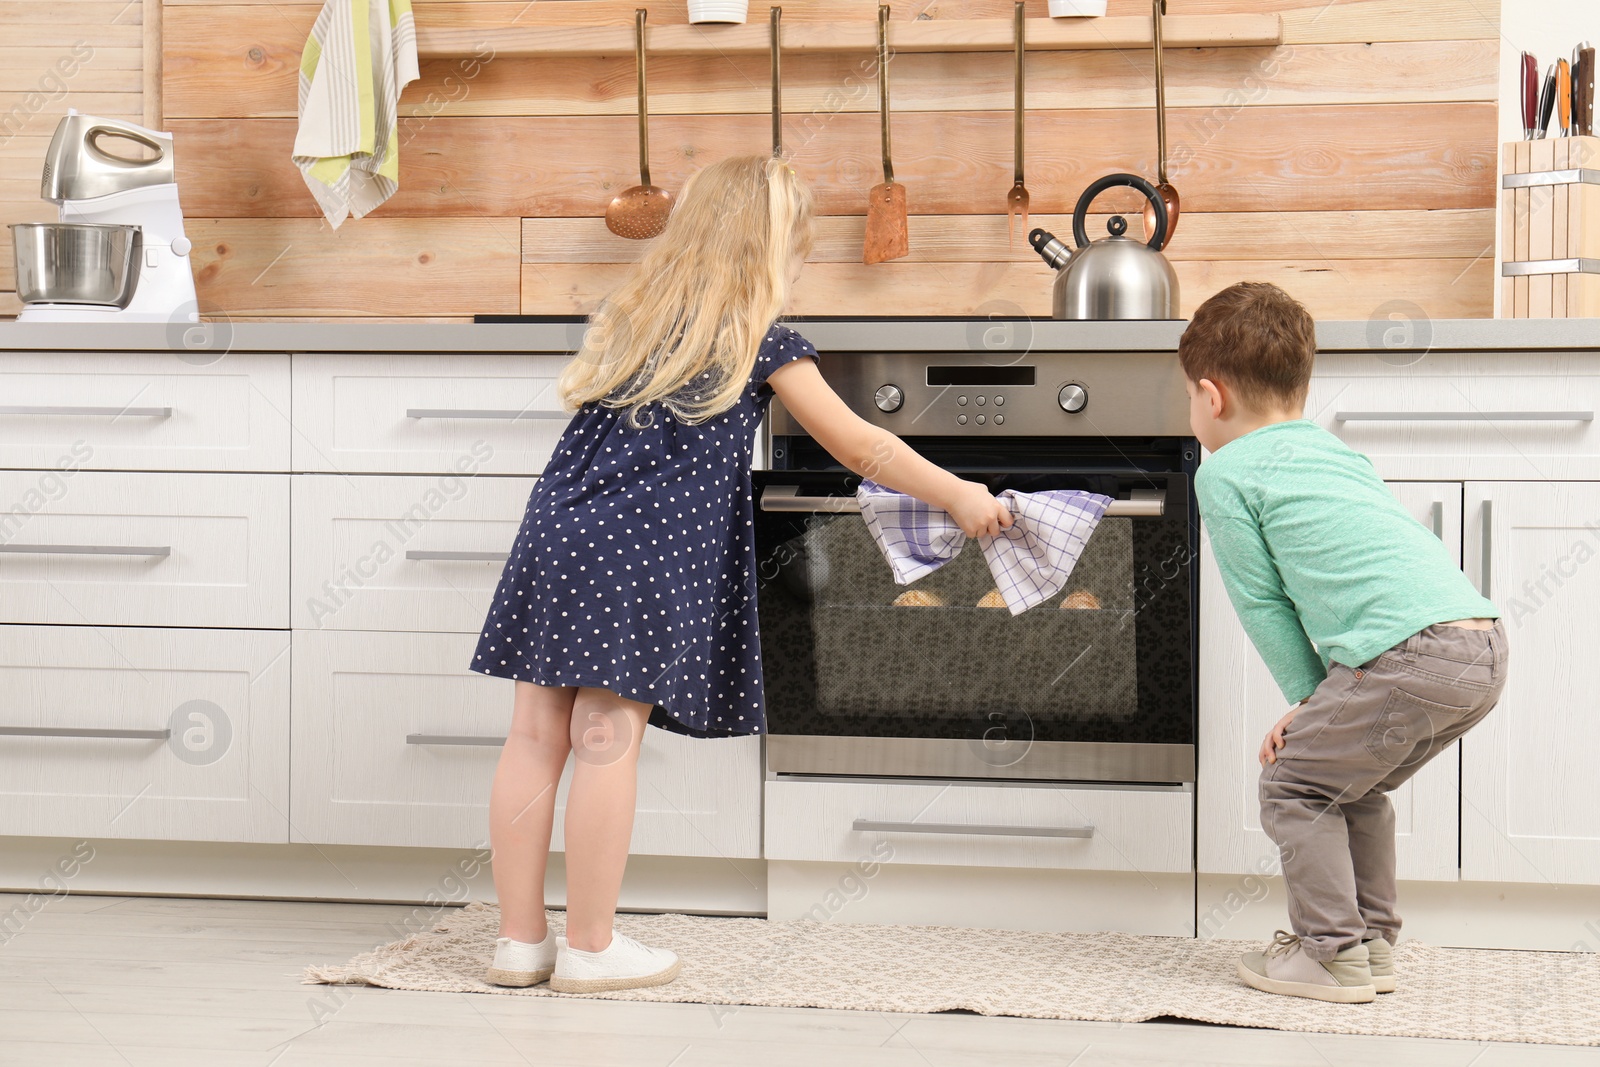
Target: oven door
(866,677)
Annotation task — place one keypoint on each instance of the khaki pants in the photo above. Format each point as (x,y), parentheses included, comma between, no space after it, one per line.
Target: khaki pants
(1362,733)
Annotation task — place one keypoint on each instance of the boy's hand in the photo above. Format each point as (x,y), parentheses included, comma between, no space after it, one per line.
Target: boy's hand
(1274,738)
(976,511)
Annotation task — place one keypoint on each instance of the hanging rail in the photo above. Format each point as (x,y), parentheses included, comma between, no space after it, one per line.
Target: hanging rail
(926,35)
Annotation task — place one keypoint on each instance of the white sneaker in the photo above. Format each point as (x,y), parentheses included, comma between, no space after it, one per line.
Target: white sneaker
(1285,968)
(517,963)
(623,964)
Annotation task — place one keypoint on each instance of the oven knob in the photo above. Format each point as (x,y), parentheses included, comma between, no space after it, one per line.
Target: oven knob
(1073,398)
(889,398)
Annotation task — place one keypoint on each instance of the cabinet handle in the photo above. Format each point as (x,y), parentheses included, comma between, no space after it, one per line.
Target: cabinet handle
(1463,416)
(452,739)
(1436,518)
(482,413)
(1488,531)
(91,550)
(1149,504)
(455,556)
(988,830)
(78,409)
(68,731)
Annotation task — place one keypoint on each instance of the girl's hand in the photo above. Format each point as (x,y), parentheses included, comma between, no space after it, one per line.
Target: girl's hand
(976,511)
(1274,738)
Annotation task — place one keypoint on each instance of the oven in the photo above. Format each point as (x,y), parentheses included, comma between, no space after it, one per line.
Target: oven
(864,677)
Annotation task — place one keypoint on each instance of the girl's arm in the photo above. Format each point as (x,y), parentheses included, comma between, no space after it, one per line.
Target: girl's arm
(875,453)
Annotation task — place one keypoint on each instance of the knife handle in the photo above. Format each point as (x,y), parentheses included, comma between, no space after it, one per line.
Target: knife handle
(1564,97)
(1583,92)
(1547,101)
(1530,95)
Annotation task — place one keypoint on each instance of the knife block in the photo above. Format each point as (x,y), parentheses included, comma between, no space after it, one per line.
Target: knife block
(1550,220)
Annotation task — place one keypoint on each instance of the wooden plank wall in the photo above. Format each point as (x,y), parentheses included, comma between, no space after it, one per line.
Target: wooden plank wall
(1355,164)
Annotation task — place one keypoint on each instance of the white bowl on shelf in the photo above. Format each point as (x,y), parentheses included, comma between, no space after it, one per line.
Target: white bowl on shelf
(701,11)
(1063,9)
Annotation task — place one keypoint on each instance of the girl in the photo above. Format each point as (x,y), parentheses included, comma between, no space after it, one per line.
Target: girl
(628,597)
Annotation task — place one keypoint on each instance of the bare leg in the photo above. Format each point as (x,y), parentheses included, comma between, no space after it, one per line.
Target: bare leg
(522,804)
(606,734)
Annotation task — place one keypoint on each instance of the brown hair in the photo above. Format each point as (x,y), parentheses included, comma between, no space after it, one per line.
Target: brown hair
(1256,339)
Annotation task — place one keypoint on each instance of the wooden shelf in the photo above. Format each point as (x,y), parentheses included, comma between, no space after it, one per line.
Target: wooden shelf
(929,35)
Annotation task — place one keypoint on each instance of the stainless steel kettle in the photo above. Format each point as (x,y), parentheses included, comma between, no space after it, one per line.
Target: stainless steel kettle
(1115,277)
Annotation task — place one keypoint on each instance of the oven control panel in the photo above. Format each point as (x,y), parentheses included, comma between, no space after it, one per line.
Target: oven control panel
(1024,394)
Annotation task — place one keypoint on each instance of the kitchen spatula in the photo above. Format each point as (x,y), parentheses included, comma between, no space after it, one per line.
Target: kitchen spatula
(1017,198)
(887,236)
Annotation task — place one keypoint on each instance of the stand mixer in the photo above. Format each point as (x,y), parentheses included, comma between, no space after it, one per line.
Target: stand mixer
(118,253)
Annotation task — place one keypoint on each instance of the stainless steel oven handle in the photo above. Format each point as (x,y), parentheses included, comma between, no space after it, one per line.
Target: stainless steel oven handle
(985,829)
(1144,503)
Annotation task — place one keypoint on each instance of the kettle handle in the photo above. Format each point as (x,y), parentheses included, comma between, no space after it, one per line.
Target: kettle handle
(1080,233)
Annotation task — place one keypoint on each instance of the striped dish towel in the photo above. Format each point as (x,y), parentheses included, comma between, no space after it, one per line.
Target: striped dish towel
(1031,560)
(359,56)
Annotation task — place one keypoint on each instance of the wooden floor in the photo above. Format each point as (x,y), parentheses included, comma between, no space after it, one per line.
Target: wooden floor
(169,982)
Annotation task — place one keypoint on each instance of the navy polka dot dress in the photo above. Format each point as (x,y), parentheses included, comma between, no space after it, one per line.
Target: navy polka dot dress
(634,568)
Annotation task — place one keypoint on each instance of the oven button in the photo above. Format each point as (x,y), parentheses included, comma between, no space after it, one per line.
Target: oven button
(999,419)
(889,398)
(981,400)
(962,419)
(980,420)
(1073,398)
(962,400)
(999,400)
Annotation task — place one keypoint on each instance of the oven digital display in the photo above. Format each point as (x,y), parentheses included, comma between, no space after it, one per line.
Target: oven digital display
(980,375)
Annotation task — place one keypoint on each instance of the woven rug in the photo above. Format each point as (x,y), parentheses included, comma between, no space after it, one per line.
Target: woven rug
(1470,994)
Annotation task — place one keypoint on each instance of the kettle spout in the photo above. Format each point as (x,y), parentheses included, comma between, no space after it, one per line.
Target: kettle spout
(1050,248)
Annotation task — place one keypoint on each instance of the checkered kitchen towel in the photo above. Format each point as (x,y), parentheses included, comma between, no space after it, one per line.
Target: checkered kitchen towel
(1031,561)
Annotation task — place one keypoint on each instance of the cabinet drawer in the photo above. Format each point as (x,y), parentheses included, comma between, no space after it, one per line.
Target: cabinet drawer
(144,733)
(446,414)
(1445,419)
(395,743)
(1119,829)
(387,553)
(144,411)
(144,549)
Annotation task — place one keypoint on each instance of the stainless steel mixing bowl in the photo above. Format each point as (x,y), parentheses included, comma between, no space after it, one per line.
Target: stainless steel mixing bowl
(76,263)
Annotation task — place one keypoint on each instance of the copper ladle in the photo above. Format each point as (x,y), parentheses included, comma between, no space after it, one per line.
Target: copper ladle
(1017,198)
(641,212)
(1169,195)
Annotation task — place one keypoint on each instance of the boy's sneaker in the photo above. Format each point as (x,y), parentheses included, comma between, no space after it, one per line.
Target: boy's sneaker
(1380,959)
(517,963)
(1285,968)
(623,964)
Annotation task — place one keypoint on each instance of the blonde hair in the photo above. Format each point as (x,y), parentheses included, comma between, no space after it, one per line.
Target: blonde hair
(699,303)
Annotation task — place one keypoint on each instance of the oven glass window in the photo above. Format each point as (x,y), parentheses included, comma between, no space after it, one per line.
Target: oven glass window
(846,651)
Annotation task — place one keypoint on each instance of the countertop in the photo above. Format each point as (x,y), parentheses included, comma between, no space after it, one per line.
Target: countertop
(952,335)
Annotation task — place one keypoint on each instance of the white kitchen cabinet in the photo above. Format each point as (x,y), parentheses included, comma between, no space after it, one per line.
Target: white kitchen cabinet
(145,411)
(375,552)
(1528,777)
(147,549)
(395,743)
(1447,415)
(128,732)
(443,413)
(1239,702)
(982,825)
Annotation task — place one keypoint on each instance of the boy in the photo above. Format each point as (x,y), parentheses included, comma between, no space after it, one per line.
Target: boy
(1376,638)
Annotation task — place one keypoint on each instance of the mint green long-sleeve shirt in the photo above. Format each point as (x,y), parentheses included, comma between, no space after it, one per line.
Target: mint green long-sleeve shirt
(1321,562)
